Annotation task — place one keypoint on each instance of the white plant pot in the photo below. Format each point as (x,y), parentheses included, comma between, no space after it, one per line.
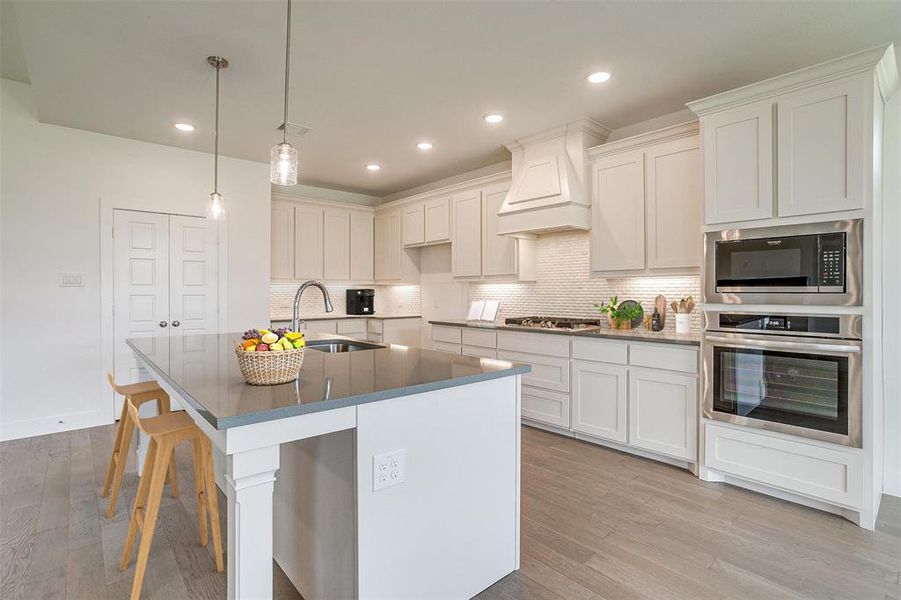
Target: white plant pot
(683,323)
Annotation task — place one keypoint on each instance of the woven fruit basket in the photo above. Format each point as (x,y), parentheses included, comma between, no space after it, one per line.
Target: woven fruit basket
(269,368)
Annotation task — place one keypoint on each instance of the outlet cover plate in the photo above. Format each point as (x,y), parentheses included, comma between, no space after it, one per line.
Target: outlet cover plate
(388,470)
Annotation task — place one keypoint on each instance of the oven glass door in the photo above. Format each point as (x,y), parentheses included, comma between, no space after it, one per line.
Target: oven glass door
(794,388)
(790,263)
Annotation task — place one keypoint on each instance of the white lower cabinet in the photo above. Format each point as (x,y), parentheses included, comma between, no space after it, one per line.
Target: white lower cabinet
(479,351)
(545,406)
(663,412)
(447,347)
(600,402)
(548,372)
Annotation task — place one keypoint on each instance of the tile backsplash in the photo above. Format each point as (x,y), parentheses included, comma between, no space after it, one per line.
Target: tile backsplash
(389,299)
(565,289)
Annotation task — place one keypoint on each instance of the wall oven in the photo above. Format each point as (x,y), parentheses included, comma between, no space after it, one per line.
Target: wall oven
(819,263)
(796,374)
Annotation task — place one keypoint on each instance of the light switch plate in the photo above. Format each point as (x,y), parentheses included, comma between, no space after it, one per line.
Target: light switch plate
(387,470)
(71,280)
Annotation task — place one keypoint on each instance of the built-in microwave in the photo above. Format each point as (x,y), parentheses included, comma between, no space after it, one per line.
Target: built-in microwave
(818,263)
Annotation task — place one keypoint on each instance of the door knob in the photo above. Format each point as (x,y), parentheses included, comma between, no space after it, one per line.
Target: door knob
(163,323)
(176,323)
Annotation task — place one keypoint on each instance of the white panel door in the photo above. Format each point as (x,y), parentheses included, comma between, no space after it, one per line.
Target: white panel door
(388,246)
(466,242)
(738,163)
(308,242)
(141,292)
(336,244)
(617,213)
(498,251)
(821,149)
(437,220)
(674,203)
(663,412)
(361,246)
(282,241)
(414,225)
(193,276)
(599,400)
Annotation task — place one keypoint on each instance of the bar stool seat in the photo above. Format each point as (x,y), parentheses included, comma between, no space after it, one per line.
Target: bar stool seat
(166,431)
(141,392)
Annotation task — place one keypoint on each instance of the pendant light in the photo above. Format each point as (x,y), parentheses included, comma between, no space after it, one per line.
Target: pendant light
(283,160)
(216,209)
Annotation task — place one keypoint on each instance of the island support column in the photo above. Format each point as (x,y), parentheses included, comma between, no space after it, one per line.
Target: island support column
(250,479)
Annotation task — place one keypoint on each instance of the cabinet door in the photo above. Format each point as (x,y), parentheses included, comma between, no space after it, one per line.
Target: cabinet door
(361,246)
(674,204)
(437,220)
(308,242)
(498,251)
(414,225)
(599,400)
(336,244)
(545,406)
(282,241)
(466,243)
(388,246)
(821,148)
(617,212)
(738,164)
(663,412)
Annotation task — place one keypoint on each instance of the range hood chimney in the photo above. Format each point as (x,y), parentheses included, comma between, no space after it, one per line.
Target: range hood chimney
(549,191)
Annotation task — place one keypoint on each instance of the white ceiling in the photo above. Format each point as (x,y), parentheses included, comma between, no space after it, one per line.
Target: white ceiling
(374,78)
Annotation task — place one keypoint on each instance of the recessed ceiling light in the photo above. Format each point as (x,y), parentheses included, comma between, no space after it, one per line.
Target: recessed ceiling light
(373,167)
(598,77)
(184,127)
(424,145)
(493,118)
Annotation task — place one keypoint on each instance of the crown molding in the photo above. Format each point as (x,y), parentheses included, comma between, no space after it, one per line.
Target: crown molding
(666,134)
(324,203)
(860,62)
(447,190)
(887,74)
(586,125)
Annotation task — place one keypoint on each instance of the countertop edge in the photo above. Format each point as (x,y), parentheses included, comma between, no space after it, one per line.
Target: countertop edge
(666,338)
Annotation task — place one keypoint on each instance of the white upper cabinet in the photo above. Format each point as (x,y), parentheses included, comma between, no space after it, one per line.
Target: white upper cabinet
(388,246)
(437,221)
(738,164)
(414,225)
(466,248)
(361,246)
(499,252)
(308,251)
(336,244)
(674,204)
(282,240)
(618,213)
(820,141)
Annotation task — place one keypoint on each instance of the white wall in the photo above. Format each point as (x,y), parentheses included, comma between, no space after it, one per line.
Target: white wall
(892,292)
(53,183)
(441,296)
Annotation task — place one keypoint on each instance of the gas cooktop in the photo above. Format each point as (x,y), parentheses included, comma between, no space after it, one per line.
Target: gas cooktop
(562,323)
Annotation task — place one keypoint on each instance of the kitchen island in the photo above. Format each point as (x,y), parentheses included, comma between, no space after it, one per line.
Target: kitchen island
(390,472)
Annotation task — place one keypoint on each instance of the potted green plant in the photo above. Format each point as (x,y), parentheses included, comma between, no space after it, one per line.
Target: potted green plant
(619,314)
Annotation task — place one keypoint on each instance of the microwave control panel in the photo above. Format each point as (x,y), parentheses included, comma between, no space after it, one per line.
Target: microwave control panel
(832,261)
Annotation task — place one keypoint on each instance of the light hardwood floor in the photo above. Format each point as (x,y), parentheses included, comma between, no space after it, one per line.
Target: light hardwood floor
(596,524)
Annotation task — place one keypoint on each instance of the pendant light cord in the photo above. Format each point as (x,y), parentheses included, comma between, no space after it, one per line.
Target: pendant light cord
(287,72)
(216,136)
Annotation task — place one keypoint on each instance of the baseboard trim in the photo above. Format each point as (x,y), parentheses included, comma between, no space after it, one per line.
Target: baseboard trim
(15,430)
(892,483)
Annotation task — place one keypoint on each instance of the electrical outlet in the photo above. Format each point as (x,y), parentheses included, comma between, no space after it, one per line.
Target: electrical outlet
(71,280)
(387,470)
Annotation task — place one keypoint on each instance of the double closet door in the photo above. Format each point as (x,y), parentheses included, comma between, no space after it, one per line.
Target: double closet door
(166,288)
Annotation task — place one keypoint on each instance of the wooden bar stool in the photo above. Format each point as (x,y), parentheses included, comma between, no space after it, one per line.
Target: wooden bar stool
(165,432)
(141,392)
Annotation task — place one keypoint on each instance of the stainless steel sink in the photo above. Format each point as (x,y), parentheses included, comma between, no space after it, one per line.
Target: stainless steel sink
(335,346)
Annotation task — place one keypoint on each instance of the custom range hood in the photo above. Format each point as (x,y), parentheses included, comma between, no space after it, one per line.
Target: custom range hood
(549,191)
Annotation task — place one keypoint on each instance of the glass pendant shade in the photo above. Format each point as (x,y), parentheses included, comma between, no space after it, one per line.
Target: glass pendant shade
(283,164)
(216,209)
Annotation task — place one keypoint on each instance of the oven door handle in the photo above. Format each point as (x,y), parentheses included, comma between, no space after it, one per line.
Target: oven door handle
(838,348)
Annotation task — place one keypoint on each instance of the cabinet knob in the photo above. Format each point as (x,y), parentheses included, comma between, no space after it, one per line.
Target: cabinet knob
(163,323)
(176,323)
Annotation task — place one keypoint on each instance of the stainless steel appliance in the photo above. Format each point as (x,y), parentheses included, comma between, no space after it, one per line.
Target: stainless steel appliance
(360,302)
(559,323)
(819,263)
(796,374)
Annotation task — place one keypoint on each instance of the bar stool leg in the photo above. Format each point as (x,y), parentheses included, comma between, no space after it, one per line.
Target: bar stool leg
(212,499)
(154,496)
(120,457)
(140,503)
(200,487)
(116,447)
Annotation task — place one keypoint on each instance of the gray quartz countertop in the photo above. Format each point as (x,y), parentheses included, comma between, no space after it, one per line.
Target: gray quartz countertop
(204,370)
(287,317)
(640,335)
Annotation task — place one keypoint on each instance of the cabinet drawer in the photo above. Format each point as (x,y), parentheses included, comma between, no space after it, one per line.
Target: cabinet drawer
(446,334)
(548,372)
(374,326)
(601,350)
(534,343)
(544,406)
(479,351)
(481,338)
(348,326)
(660,356)
(832,474)
(447,347)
